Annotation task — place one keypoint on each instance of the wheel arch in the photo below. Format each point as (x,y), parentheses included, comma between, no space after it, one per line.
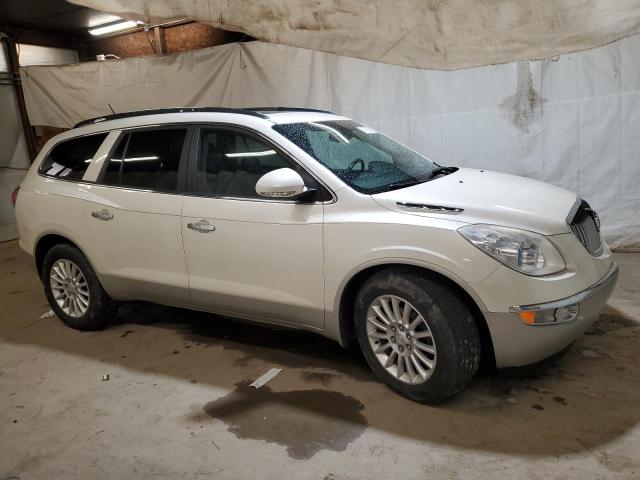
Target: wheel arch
(357,279)
(46,242)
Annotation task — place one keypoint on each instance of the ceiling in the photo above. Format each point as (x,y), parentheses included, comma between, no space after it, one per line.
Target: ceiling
(53,16)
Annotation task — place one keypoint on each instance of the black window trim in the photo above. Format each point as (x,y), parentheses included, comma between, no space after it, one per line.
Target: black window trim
(193,154)
(71,180)
(182,166)
(187,167)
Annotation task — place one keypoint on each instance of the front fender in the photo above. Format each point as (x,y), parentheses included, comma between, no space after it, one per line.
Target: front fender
(349,253)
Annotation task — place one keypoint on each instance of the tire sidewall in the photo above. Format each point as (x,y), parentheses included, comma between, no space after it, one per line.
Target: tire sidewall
(441,385)
(92,318)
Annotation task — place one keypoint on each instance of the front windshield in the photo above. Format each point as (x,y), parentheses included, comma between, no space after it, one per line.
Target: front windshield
(361,157)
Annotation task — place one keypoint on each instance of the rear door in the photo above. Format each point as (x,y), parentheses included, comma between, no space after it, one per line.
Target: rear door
(249,256)
(133,214)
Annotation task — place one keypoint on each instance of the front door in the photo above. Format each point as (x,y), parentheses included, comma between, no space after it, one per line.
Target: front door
(248,256)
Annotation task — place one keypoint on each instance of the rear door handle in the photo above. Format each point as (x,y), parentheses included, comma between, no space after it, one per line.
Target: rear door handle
(103,214)
(202,226)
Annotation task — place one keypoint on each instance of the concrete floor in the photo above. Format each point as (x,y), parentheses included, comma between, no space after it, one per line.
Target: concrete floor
(177,402)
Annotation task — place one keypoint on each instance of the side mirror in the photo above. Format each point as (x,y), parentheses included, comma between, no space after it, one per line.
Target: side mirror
(282,183)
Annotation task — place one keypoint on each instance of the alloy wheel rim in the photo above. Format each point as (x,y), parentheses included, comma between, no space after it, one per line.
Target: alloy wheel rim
(70,288)
(401,339)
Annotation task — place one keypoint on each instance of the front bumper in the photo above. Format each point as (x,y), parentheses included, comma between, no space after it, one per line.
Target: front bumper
(516,343)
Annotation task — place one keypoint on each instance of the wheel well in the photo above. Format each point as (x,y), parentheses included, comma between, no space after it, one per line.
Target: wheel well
(347,302)
(45,244)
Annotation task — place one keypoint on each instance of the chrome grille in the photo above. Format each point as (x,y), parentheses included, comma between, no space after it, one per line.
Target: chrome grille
(586,227)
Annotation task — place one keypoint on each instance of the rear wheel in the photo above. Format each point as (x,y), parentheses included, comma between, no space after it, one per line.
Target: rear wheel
(73,290)
(417,335)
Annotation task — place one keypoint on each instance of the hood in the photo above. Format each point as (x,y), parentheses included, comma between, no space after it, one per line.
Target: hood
(487,197)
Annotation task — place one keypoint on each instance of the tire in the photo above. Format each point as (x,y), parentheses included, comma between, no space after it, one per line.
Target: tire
(99,308)
(450,331)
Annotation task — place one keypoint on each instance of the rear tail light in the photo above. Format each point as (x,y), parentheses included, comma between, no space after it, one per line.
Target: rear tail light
(14,195)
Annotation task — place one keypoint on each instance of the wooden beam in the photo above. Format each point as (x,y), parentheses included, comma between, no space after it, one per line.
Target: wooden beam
(14,66)
(159,41)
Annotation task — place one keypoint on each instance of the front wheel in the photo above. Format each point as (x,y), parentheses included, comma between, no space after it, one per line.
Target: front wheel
(74,291)
(416,334)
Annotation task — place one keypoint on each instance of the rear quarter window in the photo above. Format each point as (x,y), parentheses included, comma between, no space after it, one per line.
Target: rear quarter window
(71,158)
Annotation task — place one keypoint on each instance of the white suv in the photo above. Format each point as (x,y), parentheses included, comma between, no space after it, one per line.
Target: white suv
(309,219)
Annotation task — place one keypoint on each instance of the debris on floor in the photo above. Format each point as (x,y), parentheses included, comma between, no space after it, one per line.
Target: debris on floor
(589,354)
(538,389)
(592,395)
(266,377)
(48,314)
(105,377)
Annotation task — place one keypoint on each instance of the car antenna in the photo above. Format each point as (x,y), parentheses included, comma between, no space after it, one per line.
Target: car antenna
(111,108)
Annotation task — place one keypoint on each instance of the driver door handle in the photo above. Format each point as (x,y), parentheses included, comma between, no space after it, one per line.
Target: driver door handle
(202,226)
(103,214)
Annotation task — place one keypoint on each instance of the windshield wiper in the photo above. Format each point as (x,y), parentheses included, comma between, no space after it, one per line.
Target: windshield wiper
(395,186)
(416,181)
(443,171)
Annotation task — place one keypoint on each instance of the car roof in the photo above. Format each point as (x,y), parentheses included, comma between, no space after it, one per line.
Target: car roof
(274,114)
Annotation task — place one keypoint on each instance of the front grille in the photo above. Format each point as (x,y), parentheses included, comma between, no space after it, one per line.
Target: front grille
(587,229)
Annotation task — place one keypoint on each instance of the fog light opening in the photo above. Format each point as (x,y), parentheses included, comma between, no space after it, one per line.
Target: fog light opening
(566,313)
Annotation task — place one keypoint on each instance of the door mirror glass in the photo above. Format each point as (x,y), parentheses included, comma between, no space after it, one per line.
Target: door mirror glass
(281,183)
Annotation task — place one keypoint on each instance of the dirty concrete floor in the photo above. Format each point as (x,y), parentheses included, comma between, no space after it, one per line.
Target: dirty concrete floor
(177,403)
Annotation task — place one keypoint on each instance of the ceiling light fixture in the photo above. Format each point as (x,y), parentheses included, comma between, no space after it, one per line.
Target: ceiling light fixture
(114,27)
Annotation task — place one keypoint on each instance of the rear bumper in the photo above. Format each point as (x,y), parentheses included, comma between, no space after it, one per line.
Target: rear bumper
(23,246)
(517,344)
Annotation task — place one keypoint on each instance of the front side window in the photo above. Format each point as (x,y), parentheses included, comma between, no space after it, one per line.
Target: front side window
(230,163)
(147,159)
(361,157)
(71,158)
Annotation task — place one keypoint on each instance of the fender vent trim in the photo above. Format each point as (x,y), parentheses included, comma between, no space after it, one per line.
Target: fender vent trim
(430,208)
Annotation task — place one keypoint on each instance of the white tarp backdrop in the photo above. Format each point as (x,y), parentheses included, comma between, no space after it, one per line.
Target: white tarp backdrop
(573,121)
(439,34)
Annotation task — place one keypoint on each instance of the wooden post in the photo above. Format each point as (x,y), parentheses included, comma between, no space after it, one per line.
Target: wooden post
(14,66)
(158,38)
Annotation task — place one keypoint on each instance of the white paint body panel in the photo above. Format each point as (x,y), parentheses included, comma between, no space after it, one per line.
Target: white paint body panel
(494,198)
(139,252)
(264,258)
(289,263)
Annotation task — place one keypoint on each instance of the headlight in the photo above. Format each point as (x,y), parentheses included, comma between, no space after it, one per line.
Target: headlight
(524,251)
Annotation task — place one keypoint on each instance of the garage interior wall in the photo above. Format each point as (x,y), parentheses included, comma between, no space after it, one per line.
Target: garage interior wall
(14,158)
(437,34)
(573,120)
(14,155)
(40,55)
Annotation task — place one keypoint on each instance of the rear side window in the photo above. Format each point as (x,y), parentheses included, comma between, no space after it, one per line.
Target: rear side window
(71,158)
(147,159)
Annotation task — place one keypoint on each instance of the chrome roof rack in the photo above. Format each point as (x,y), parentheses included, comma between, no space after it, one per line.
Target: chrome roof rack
(255,112)
(287,109)
(159,111)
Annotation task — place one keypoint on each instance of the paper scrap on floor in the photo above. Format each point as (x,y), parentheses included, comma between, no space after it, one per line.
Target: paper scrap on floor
(266,377)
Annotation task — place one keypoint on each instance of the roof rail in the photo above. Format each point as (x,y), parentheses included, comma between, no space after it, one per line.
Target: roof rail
(140,113)
(287,109)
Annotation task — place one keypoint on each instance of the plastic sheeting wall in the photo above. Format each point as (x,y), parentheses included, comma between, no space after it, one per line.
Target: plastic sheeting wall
(442,34)
(573,121)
